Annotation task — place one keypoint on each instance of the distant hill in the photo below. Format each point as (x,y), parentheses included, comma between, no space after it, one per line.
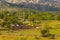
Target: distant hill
(33,6)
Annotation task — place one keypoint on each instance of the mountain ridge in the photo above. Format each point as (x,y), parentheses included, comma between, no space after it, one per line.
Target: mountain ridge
(34,6)
(42,2)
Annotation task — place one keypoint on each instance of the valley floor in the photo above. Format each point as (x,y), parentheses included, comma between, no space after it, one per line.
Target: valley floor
(33,34)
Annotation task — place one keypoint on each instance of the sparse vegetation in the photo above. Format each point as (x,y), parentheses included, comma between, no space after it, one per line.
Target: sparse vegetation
(26,17)
(24,22)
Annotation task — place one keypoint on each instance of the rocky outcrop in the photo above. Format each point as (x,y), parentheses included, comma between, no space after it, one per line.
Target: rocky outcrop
(55,3)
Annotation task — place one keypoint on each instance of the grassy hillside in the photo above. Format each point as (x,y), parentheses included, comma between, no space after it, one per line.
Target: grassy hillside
(33,34)
(11,18)
(25,24)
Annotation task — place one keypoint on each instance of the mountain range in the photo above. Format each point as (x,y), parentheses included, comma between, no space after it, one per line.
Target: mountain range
(41,5)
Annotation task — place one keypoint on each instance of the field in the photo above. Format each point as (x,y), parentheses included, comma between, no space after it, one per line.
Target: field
(34,33)
(22,24)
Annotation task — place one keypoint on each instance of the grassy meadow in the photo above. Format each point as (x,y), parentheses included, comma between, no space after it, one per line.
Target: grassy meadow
(22,24)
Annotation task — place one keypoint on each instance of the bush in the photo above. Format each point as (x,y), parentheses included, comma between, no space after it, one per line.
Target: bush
(45,32)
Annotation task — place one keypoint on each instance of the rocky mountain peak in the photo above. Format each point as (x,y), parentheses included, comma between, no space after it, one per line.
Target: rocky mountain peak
(23,1)
(32,4)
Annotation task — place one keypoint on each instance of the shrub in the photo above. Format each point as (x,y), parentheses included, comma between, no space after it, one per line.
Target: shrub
(45,32)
